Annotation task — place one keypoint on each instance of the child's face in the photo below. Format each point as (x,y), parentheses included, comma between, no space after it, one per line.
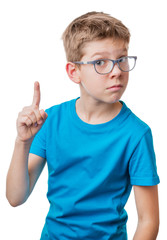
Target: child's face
(104,88)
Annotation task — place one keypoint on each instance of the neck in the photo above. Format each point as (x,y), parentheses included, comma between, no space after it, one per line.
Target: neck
(95,112)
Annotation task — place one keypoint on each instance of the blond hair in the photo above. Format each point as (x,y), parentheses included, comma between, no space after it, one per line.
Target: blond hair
(90,27)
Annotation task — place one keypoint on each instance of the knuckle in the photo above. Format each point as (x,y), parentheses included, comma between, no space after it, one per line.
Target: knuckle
(25,108)
(35,107)
(39,117)
(30,112)
(28,120)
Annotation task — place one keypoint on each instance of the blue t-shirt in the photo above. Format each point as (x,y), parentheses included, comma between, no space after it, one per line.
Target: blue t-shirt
(91,172)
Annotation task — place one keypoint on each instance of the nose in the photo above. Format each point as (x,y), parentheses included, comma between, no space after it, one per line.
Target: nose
(115,72)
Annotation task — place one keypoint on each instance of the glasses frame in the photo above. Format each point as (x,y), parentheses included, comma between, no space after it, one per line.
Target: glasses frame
(114,62)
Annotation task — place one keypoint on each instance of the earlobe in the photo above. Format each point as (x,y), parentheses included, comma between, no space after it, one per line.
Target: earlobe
(72,72)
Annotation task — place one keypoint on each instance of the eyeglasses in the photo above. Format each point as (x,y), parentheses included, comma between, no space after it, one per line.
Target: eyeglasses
(105,66)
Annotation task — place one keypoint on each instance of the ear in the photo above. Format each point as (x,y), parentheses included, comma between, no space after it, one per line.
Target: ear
(73,72)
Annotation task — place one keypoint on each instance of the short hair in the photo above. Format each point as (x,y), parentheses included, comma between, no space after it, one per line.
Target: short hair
(90,27)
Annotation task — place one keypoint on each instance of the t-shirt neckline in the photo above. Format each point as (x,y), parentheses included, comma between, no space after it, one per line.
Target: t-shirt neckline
(102,126)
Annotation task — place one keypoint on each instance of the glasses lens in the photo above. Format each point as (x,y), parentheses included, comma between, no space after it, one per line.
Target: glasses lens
(103,66)
(126,64)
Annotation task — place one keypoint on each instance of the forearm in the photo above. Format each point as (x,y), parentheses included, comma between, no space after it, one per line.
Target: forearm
(17,185)
(146,230)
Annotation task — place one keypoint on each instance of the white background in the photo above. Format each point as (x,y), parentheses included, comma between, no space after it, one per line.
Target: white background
(31,49)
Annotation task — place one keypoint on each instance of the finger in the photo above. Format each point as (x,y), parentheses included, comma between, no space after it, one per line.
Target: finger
(32,117)
(43,114)
(39,118)
(41,121)
(33,112)
(24,120)
(43,117)
(28,122)
(36,97)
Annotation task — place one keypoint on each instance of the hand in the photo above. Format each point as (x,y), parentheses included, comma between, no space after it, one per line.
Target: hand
(31,119)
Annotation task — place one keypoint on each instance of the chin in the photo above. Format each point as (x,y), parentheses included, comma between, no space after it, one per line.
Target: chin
(114,99)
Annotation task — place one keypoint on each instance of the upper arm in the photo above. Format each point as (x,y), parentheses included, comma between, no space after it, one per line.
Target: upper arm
(147,205)
(35,167)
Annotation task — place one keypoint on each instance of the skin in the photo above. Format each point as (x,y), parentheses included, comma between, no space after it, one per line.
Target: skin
(98,103)
(148,212)
(25,168)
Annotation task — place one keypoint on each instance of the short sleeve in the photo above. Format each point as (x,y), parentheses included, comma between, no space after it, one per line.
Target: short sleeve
(38,146)
(142,165)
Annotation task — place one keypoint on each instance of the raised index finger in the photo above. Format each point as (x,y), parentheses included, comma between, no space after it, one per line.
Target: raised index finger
(36,97)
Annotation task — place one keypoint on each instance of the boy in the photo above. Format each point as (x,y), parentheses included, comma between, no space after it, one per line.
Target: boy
(94,146)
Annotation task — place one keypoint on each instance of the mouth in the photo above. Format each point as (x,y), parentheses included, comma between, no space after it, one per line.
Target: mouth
(115,87)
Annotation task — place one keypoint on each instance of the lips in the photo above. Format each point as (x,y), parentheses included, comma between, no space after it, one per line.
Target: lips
(115,87)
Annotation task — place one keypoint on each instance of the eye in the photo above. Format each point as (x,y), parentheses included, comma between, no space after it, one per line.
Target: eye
(100,62)
(123,59)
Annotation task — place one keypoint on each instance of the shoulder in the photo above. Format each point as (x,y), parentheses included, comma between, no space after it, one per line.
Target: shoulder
(138,123)
(135,125)
(55,110)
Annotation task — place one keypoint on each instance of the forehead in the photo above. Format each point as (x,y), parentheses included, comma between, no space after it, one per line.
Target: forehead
(105,47)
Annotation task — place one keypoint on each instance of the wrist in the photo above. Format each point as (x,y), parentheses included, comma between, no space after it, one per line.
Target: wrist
(23,142)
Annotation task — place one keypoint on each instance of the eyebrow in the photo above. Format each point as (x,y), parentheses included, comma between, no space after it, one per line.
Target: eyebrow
(103,53)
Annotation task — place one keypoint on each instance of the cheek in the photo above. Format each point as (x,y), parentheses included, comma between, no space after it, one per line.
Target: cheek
(126,77)
(93,86)
(91,79)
